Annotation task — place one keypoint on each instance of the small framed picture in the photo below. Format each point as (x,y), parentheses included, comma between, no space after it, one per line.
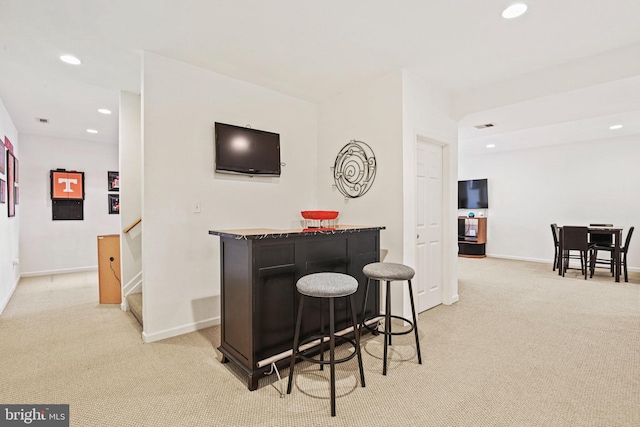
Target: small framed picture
(113,179)
(3,186)
(67,185)
(3,159)
(11,186)
(114,204)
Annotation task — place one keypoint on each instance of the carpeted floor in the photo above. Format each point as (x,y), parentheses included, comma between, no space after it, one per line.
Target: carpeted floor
(522,347)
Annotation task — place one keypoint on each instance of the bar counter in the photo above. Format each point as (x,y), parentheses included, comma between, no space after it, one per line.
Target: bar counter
(259,271)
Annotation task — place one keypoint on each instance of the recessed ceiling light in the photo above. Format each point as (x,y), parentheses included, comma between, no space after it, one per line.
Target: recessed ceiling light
(491,145)
(514,11)
(615,127)
(92,131)
(70,59)
(104,111)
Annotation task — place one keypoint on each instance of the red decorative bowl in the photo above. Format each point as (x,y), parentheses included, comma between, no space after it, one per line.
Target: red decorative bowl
(319,214)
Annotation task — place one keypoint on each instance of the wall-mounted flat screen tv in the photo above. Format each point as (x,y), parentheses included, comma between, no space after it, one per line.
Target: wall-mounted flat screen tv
(246,151)
(473,194)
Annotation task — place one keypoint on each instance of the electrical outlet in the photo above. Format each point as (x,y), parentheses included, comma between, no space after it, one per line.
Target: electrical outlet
(196,207)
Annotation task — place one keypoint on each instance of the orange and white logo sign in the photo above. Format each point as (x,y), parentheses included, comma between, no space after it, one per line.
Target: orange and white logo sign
(67,185)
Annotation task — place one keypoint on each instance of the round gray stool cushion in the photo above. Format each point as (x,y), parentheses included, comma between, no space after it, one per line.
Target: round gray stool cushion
(388,271)
(327,285)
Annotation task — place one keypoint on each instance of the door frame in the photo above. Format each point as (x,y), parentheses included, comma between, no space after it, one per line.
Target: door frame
(428,147)
(449,213)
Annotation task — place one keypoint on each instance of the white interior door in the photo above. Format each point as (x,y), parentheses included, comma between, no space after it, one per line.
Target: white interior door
(428,281)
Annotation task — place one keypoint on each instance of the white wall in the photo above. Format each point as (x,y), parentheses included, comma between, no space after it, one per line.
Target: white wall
(371,113)
(389,114)
(9,227)
(130,147)
(427,112)
(569,184)
(181,103)
(48,246)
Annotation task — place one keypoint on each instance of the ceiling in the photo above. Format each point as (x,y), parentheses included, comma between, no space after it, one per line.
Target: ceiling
(314,50)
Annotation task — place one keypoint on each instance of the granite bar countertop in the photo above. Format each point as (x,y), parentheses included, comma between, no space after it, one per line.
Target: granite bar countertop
(270,233)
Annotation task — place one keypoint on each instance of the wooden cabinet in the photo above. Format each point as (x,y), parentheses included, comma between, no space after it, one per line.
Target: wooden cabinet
(258,290)
(472,241)
(109,269)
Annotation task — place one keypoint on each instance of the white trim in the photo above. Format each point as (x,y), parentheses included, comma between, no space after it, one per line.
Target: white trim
(62,271)
(519,258)
(133,286)
(185,329)
(449,250)
(11,292)
(454,299)
(540,260)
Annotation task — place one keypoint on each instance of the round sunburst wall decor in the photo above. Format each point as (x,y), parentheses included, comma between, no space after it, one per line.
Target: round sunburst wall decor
(354,169)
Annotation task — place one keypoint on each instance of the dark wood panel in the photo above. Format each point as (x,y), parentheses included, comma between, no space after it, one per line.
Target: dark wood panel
(236,298)
(274,315)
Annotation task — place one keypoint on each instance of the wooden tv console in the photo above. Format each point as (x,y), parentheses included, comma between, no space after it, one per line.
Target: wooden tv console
(472,245)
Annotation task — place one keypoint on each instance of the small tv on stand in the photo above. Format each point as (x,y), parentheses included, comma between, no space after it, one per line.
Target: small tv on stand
(472,237)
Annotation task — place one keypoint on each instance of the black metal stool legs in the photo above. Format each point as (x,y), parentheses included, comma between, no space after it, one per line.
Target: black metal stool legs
(356,333)
(296,338)
(332,357)
(387,327)
(388,332)
(332,347)
(364,303)
(415,322)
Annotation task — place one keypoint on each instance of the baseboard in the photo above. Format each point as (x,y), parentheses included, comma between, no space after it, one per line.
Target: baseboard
(454,299)
(540,260)
(11,292)
(134,285)
(61,271)
(180,330)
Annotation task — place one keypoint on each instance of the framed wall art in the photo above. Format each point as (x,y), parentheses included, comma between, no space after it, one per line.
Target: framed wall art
(67,185)
(11,201)
(113,179)
(3,158)
(67,194)
(3,194)
(114,204)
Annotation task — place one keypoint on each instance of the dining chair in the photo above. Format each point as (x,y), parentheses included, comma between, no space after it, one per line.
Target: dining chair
(610,261)
(575,239)
(556,245)
(601,239)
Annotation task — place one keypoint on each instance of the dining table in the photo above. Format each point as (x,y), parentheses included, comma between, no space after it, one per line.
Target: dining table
(616,232)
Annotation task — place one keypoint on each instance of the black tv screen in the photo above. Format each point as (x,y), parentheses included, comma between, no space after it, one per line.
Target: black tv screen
(473,194)
(246,151)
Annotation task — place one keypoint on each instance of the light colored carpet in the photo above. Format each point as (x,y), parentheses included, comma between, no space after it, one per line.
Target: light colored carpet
(523,347)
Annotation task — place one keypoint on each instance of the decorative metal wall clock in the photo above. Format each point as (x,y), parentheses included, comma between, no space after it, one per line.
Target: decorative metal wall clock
(354,169)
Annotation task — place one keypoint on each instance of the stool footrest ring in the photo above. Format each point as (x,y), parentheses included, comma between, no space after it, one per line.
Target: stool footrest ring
(343,339)
(372,329)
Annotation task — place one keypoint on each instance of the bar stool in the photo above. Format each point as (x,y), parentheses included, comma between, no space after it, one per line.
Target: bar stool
(327,286)
(389,272)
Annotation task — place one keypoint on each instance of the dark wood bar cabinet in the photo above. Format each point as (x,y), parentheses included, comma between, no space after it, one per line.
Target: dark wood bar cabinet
(259,271)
